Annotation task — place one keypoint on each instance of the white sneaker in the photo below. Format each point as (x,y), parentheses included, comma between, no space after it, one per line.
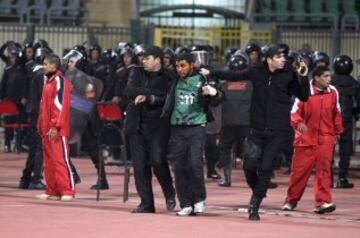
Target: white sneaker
(288,207)
(67,198)
(47,197)
(199,207)
(186,211)
(325,208)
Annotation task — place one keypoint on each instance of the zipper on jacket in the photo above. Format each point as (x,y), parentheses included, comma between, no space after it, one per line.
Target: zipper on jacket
(268,103)
(269,82)
(321,105)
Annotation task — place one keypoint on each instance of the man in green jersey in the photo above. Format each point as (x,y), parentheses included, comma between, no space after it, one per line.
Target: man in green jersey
(187,107)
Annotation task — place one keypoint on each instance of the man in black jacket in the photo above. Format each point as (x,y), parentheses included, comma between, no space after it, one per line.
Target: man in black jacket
(148,133)
(269,116)
(349,99)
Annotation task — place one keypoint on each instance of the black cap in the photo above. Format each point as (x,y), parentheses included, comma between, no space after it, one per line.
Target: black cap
(273,50)
(154,51)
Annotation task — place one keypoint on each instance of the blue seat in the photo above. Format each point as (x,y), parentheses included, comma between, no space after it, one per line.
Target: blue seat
(281,7)
(316,7)
(298,7)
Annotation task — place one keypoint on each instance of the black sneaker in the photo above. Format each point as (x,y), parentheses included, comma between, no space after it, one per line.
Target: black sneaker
(24,184)
(141,209)
(344,183)
(272,185)
(170,204)
(103,186)
(37,186)
(214,176)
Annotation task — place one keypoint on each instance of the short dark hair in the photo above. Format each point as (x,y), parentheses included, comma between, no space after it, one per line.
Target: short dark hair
(318,71)
(188,57)
(53,59)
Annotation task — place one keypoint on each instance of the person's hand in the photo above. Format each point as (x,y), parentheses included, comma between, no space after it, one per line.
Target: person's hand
(302,69)
(208,91)
(115,100)
(23,101)
(52,134)
(139,99)
(204,72)
(302,128)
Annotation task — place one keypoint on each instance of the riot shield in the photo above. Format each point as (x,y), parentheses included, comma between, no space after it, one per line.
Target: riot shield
(86,90)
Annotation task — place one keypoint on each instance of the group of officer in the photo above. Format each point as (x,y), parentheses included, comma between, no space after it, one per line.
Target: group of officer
(106,72)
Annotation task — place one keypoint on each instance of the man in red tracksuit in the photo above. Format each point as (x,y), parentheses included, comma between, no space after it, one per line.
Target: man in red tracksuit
(316,123)
(53,126)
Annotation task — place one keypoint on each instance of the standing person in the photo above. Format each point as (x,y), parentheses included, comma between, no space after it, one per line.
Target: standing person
(13,88)
(53,126)
(32,173)
(316,122)
(235,116)
(148,133)
(349,94)
(269,115)
(187,106)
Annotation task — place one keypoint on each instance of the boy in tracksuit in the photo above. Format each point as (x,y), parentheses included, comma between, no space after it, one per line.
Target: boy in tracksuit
(53,126)
(316,123)
(187,107)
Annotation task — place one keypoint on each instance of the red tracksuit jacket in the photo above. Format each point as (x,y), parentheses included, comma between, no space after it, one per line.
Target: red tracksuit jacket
(322,124)
(55,105)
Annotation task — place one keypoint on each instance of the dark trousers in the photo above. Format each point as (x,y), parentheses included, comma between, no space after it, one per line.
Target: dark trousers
(270,143)
(185,153)
(345,149)
(91,148)
(211,153)
(230,135)
(149,152)
(34,160)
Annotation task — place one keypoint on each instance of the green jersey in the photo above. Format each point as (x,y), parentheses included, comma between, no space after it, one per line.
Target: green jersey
(187,109)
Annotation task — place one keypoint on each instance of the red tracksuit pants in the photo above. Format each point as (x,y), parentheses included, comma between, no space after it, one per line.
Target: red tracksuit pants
(58,174)
(304,160)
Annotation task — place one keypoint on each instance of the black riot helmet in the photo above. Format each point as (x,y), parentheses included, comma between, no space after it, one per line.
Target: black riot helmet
(343,64)
(109,57)
(77,55)
(121,45)
(94,47)
(41,50)
(320,57)
(182,49)
(238,62)
(139,50)
(307,58)
(252,47)
(169,52)
(284,48)
(127,51)
(229,52)
(15,49)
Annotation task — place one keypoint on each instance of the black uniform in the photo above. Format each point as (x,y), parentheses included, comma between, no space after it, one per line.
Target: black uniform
(349,99)
(269,118)
(148,134)
(13,88)
(32,173)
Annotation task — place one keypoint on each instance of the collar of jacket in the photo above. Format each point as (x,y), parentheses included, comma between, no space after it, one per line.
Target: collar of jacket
(53,75)
(315,91)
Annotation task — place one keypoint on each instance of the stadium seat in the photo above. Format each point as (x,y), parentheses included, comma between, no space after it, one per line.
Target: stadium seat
(5,7)
(332,7)
(57,4)
(316,7)
(40,8)
(265,8)
(298,7)
(281,7)
(74,8)
(349,8)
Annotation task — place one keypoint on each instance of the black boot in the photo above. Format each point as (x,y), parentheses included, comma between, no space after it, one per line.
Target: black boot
(254,208)
(226,181)
(102,183)
(344,183)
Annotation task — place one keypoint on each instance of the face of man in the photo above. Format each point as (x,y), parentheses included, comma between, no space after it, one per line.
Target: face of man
(323,81)
(29,52)
(127,59)
(151,64)
(254,57)
(71,63)
(48,67)
(166,61)
(95,55)
(276,62)
(183,68)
